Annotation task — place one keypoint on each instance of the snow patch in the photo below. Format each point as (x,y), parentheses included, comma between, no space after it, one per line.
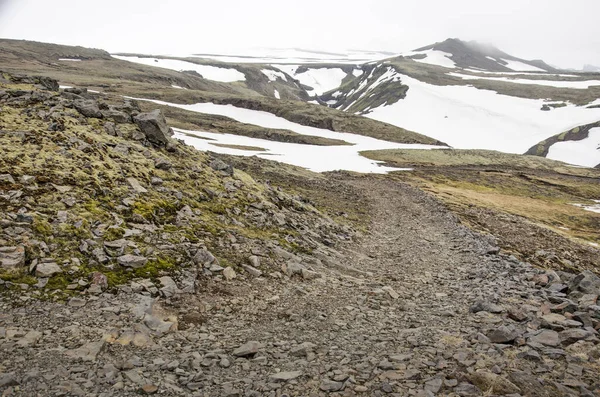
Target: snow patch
(320,80)
(273,75)
(438,58)
(178,87)
(521,67)
(584,152)
(357,72)
(580,84)
(590,207)
(315,158)
(469,118)
(225,75)
(276,93)
(70,59)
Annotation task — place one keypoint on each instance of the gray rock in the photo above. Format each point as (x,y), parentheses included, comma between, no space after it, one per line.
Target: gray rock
(116,116)
(484,306)
(7,380)
(87,352)
(573,335)
(586,282)
(163,164)
(503,334)
(133,261)
(252,270)
(47,269)
(204,258)
(302,349)
(88,108)
(220,165)
(169,287)
(7,178)
(285,376)
(546,337)
(12,257)
(329,385)
(154,126)
(247,349)
(229,273)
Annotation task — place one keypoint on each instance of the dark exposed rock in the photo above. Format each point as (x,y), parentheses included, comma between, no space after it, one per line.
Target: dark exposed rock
(88,108)
(154,126)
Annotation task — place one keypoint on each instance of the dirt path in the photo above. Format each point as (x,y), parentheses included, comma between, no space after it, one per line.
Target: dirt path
(388,316)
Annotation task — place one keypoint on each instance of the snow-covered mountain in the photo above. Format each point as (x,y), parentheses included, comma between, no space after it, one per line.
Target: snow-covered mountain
(467,94)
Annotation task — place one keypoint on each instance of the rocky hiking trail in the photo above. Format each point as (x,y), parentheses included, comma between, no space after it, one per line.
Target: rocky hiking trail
(420,306)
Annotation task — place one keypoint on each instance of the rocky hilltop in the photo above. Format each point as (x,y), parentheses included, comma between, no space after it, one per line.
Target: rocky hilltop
(133,264)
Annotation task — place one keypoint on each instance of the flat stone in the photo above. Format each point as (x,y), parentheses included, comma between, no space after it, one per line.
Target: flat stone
(503,334)
(12,257)
(285,376)
(484,306)
(328,385)
(7,380)
(573,335)
(390,291)
(88,352)
(229,273)
(47,269)
(247,349)
(546,337)
(136,186)
(252,270)
(133,261)
(149,389)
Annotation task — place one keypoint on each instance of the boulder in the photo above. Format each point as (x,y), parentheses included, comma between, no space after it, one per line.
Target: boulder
(247,349)
(586,282)
(204,258)
(47,269)
(220,165)
(12,257)
(88,108)
(116,116)
(154,126)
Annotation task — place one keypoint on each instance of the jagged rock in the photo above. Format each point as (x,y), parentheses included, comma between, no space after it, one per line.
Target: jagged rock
(302,349)
(7,380)
(116,116)
(220,165)
(7,178)
(154,126)
(571,336)
(204,258)
(285,376)
(484,306)
(169,287)
(229,273)
(12,257)
(328,385)
(88,108)
(133,261)
(503,334)
(546,337)
(586,282)
(247,349)
(87,352)
(252,270)
(47,269)
(163,164)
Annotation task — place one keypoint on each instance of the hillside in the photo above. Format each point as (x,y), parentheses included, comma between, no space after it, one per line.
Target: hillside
(133,264)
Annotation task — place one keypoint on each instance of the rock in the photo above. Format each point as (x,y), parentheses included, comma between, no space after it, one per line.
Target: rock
(47,269)
(154,126)
(7,178)
(220,165)
(329,386)
(252,270)
(88,108)
(309,274)
(493,383)
(546,337)
(77,302)
(393,294)
(12,257)
(528,384)
(573,335)
(30,338)
(503,334)
(159,325)
(434,385)
(7,380)
(517,314)
(149,389)
(586,282)
(163,164)
(169,287)
(136,186)
(302,349)
(484,306)
(204,258)
(247,349)
(116,116)
(292,267)
(229,273)
(285,376)
(87,352)
(133,261)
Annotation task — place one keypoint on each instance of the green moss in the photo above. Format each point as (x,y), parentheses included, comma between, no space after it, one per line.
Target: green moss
(114,233)
(42,227)
(154,268)
(18,277)
(93,207)
(58,282)
(159,209)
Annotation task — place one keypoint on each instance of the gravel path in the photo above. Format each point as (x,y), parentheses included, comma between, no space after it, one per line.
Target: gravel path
(420,306)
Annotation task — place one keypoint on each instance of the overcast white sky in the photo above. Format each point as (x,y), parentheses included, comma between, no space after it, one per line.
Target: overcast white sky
(564,33)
